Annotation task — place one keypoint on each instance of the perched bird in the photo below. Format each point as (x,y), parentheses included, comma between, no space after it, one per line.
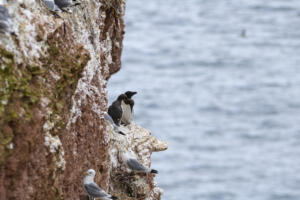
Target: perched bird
(5,21)
(134,165)
(93,190)
(127,107)
(111,121)
(115,109)
(65,4)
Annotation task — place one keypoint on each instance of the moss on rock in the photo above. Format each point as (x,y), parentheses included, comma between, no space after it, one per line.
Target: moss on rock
(19,93)
(66,61)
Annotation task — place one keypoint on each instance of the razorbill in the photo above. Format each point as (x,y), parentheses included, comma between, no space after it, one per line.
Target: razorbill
(127,107)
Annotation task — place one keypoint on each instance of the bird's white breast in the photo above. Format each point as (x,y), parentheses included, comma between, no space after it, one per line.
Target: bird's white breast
(127,115)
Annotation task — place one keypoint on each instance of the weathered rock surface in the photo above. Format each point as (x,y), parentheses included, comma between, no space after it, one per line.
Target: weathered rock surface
(53,77)
(142,144)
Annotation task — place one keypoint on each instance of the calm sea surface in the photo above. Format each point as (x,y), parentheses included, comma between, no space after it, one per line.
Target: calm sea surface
(228,104)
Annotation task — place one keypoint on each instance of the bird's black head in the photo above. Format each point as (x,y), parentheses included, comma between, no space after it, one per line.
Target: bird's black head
(122,97)
(129,94)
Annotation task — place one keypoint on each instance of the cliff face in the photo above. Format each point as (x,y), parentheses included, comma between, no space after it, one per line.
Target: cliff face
(53,76)
(125,184)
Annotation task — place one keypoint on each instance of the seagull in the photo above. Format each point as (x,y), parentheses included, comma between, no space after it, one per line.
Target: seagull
(5,21)
(93,190)
(111,121)
(127,107)
(134,165)
(115,109)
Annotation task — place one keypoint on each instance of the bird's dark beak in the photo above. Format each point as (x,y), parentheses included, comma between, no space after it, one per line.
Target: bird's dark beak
(129,94)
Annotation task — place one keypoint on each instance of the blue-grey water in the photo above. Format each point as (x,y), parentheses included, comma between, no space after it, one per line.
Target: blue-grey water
(228,105)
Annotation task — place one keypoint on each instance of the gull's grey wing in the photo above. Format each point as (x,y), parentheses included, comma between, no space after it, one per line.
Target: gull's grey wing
(95,191)
(108,118)
(135,165)
(63,3)
(51,5)
(4,14)
(5,18)
(4,26)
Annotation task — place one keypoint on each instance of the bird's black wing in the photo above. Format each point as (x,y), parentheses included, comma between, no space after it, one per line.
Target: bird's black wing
(131,103)
(115,111)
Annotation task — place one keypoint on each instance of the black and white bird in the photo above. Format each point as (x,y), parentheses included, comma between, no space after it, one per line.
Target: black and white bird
(65,5)
(93,190)
(115,109)
(134,165)
(127,107)
(111,121)
(6,24)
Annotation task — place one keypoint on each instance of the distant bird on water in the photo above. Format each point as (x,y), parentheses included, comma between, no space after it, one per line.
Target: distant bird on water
(243,33)
(115,109)
(65,4)
(93,190)
(127,107)
(134,165)
(5,21)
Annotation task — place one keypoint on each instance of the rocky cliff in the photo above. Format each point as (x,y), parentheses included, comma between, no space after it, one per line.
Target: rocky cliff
(53,78)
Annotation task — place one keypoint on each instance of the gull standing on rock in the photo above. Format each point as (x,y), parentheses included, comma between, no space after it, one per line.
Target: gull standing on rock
(134,165)
(127,107)
(93,190)
(5,21)
(115,109)
(65,4)
(111,121)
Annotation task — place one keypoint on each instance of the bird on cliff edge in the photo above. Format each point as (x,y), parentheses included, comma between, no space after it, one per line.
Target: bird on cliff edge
(65,4)
(5,21)
(111,121)
(115,109)
(127,107)
(134,165)
(93,190)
